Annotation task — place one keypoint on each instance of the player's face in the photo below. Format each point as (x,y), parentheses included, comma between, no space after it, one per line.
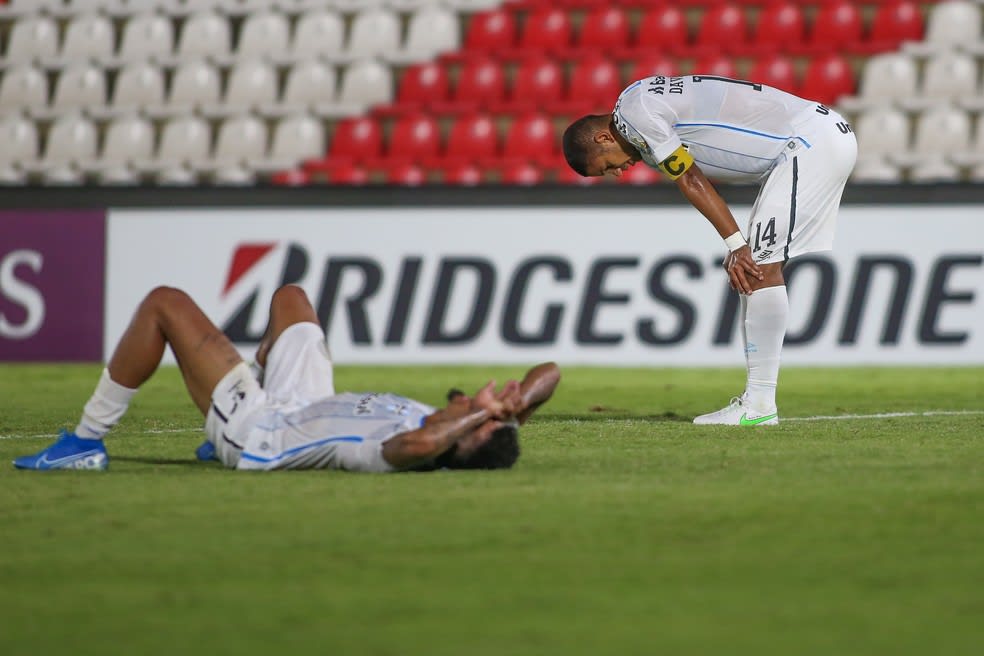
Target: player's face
(609,159)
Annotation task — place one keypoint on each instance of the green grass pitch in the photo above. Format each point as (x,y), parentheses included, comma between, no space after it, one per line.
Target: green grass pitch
(623,530)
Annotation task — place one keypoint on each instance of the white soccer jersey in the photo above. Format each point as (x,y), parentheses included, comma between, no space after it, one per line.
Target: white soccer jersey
(734,130)
(344,431)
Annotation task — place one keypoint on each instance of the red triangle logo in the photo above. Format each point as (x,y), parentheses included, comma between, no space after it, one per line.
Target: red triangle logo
(243,259)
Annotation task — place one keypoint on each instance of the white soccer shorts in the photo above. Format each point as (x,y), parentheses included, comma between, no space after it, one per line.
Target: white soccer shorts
(796,209)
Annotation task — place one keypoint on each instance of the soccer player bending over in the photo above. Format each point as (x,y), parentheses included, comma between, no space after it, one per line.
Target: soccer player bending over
(294,419)
(801,153)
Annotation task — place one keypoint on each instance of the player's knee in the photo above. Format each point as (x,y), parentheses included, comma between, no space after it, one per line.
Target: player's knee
(290,299)
(161,298)
(772,277)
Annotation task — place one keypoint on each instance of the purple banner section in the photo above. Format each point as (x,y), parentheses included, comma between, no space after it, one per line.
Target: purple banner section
(52,270)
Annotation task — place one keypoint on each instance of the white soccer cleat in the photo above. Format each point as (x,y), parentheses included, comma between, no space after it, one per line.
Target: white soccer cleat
(738,414)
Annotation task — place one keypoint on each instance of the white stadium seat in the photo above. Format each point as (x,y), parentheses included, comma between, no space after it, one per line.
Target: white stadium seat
(247,7)
(947,77)
(138,85)
(881,132)
(204,35)
(364,84)
(70,145)
(308,83)
(318,33)
(128,140)
(23,88)
(373,32)
(954,23)
(263,34)
(971,155)
(76,7)
(195,83)
(185,7)
(939,131)
(146,36)
(20,148)
(241,139)
(16,8)
(79,87)
(295,139)
(353,6)
(184,140)
(32,38)
(250,84)
(88,37)
(886,78)
(431,31)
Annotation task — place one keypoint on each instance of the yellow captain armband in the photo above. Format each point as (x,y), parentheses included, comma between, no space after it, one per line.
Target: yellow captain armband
(676,164)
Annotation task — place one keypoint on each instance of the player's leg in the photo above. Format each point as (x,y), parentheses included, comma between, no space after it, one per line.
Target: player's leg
(166,316)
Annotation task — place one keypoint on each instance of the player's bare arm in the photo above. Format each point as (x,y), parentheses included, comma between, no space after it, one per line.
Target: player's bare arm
(536,389)
(697,189)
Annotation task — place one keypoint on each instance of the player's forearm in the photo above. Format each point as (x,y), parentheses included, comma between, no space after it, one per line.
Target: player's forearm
(426,443)
(697,189)
(537,387)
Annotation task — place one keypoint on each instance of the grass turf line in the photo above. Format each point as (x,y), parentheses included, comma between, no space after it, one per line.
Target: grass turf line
(624,530)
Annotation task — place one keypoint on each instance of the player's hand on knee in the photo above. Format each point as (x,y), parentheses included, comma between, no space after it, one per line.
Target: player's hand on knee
(741,269)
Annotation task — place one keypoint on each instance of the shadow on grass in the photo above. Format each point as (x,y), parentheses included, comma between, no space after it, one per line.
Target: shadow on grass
(188,462)
(613,414)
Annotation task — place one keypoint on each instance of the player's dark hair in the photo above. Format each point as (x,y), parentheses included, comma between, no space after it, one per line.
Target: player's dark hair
(578,141)
(500,451)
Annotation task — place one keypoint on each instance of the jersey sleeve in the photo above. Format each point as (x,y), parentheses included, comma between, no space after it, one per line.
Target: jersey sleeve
(644,123)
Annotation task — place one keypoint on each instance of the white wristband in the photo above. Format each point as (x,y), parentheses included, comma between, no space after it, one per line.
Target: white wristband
(735,241)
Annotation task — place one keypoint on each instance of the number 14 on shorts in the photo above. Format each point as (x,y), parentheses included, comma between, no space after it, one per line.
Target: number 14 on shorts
(764,237)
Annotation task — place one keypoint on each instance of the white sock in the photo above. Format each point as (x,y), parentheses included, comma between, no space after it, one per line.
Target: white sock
(106,406)
(765,327)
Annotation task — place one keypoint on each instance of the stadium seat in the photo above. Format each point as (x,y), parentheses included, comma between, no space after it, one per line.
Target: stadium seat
(954,23)
(204,35)
(137,86)
(722,28)
(308,83)
(779,28)
(595,84)
(547,29)
(481,83)
(947,76)
(365,83)
(23,88)
(79,86)
(374,32)
(263,34)
(194,84)
(128,140)
(538,81)
(241,140)
(404,174)
(318,33)
(894,22)
(776,71)
(358,139)
(184,140)
(565,175)
(939,131)
(881,132)
(251,84)
(473,138)
(491,31)
(291,178)
(886,78)
(716,64)
(521,174)
(971,155)
(422,85)
(146,36)
(460,174)
(414,137)
(828,78)
(663,28)
(604,28)
(346,173)
(640,174)
(20,138)
(71,142)
(430,32)
(32,39)
(87,37)
(530,138)
(654,63)
(837,26)
(295,139)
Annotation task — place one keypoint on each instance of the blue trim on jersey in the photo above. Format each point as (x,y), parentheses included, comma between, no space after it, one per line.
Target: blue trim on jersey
(630,88)
(745,130)
(290,452)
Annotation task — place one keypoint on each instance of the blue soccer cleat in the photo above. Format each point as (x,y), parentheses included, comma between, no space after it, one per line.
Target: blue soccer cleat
(206,451)
(69,452)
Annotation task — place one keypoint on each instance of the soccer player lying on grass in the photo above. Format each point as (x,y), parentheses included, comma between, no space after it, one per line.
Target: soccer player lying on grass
(294,419)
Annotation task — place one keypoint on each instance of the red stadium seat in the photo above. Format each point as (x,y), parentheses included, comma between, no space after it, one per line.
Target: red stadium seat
(837,26)
(605,28)
(565,175)
(404,174)
(663,28)
(358,139)
(538,81)
(491,31)
(414,137)
(522,173)
(776,71)
(463,174)
(595,83)
(780,27)
(348,174)
(422,85)
(828,78)
(547,29)
(473,138)
(531,138)
(716,64)
(895,22)
(481,83)
(291,178)
(655,63)
(640,174)
(722,28)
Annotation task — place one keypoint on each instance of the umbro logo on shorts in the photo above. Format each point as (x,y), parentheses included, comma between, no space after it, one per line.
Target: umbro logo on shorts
(764,254)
